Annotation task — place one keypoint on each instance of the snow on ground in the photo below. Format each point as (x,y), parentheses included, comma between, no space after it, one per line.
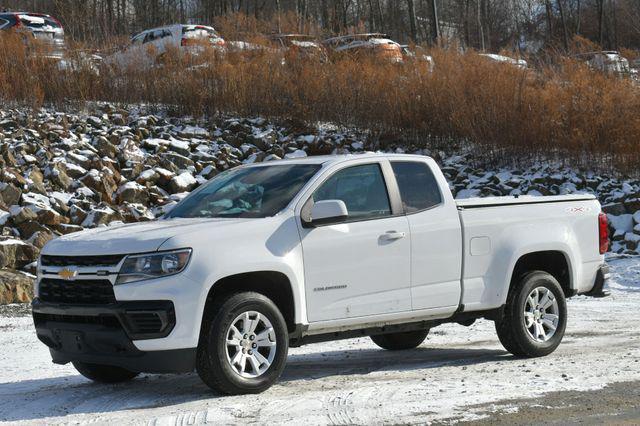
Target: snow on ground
(343,382)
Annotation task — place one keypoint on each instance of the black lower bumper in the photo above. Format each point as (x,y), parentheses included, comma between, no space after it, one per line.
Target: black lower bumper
(598,289)
(104,335)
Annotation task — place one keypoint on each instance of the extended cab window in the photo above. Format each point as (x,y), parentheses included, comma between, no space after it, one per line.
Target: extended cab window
(260,191)
(418,187)
(362,188)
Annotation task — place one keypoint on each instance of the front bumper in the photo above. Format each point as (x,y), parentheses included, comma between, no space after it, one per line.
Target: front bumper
(602,276)
(104,334)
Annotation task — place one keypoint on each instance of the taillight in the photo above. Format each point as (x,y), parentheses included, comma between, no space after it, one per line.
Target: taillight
(184,42)
(603,232)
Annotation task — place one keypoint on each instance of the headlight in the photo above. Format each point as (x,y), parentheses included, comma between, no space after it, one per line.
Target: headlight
(153,265)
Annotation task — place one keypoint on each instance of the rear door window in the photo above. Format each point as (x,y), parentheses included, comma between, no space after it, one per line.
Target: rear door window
(199,33)
(418,186)
(163,34)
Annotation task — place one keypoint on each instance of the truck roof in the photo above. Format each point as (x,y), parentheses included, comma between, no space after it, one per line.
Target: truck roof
(333,159)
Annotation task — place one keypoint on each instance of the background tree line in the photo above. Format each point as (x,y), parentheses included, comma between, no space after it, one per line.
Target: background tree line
(489,25)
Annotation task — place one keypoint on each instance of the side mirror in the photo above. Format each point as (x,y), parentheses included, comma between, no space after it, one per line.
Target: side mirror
(328,212)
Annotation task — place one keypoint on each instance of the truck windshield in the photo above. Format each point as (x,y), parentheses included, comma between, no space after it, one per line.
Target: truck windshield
(252,192)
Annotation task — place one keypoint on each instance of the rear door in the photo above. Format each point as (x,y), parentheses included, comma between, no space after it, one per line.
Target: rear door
(436,236)
(360,267)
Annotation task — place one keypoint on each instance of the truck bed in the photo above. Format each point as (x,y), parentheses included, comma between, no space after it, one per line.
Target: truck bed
(477,202)
(499,230)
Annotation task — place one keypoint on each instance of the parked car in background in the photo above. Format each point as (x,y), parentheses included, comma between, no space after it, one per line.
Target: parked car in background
(417,54)
(38,27)
(608,61)
(148,47)
(518,63)
(635,70)
(375,44)
(245,46)
(302,45)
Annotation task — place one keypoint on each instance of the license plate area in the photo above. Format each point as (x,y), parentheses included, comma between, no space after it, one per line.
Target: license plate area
(70,341)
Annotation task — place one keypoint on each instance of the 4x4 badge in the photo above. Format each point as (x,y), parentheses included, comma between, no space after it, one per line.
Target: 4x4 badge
(68,274)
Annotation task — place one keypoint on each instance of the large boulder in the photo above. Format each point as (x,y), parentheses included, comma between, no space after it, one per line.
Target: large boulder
(101,216)
(180,161)
(40,238)
(132,192)
(105,148)
(15,253)
(15,287)
(101,183)
(182,183)
(10,194)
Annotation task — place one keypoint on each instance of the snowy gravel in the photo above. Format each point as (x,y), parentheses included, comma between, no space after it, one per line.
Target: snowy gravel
(344,382)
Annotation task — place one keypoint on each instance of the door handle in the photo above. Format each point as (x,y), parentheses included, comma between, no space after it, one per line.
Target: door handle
(393,235)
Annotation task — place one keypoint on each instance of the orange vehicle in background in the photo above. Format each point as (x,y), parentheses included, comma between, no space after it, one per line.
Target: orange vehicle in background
(378,45)
(302,45)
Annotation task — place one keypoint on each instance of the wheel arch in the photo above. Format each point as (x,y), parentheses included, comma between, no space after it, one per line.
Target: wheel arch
(555,262)
(272,284)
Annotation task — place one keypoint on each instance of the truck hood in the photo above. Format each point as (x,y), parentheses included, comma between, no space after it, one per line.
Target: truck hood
(130,238)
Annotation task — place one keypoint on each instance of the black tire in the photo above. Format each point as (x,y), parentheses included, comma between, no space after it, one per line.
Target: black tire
(400,341)
(512,330)
(212,364)
(104,373)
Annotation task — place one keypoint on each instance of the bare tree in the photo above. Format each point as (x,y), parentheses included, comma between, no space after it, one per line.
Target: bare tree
(412,20)
(435,22)
(565,32)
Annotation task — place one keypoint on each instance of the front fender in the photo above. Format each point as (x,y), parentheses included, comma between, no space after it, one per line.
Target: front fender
(264,245)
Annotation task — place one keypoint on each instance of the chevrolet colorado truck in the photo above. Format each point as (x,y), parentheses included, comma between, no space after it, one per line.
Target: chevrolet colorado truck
(278,254)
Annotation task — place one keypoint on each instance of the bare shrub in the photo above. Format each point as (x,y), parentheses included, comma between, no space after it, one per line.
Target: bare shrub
(567,110)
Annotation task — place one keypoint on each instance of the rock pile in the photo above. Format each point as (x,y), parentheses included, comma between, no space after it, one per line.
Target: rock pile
(62,172)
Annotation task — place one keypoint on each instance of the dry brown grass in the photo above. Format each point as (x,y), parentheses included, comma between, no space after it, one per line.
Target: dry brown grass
(566,111)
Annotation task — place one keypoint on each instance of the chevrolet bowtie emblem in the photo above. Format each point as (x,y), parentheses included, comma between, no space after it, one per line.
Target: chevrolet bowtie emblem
(68,274)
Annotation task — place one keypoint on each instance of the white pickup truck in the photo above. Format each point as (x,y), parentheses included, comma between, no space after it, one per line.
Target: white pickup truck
(285,253)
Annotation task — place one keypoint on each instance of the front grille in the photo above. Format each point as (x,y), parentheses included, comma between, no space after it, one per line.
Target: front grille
(108,321)
(109,260)
(78,292)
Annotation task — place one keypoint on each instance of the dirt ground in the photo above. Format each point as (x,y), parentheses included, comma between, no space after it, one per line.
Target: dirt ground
(615,404)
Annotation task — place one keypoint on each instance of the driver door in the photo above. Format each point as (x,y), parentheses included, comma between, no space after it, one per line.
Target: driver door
(362,266)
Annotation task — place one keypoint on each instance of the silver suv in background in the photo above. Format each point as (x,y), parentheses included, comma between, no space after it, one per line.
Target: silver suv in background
(608,61)
(149,46)
(36,26)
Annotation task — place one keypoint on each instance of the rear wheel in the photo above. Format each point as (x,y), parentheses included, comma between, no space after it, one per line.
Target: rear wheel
(535,316)
(244,344)
(104,373)
(400,341)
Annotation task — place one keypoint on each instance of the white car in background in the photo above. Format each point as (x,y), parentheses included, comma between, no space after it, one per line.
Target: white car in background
(518,63)
(610,61)
(149,46)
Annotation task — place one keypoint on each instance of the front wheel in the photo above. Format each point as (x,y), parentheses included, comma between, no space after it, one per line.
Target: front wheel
(535,316)
(400,341)
(104,373)
(244,344)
